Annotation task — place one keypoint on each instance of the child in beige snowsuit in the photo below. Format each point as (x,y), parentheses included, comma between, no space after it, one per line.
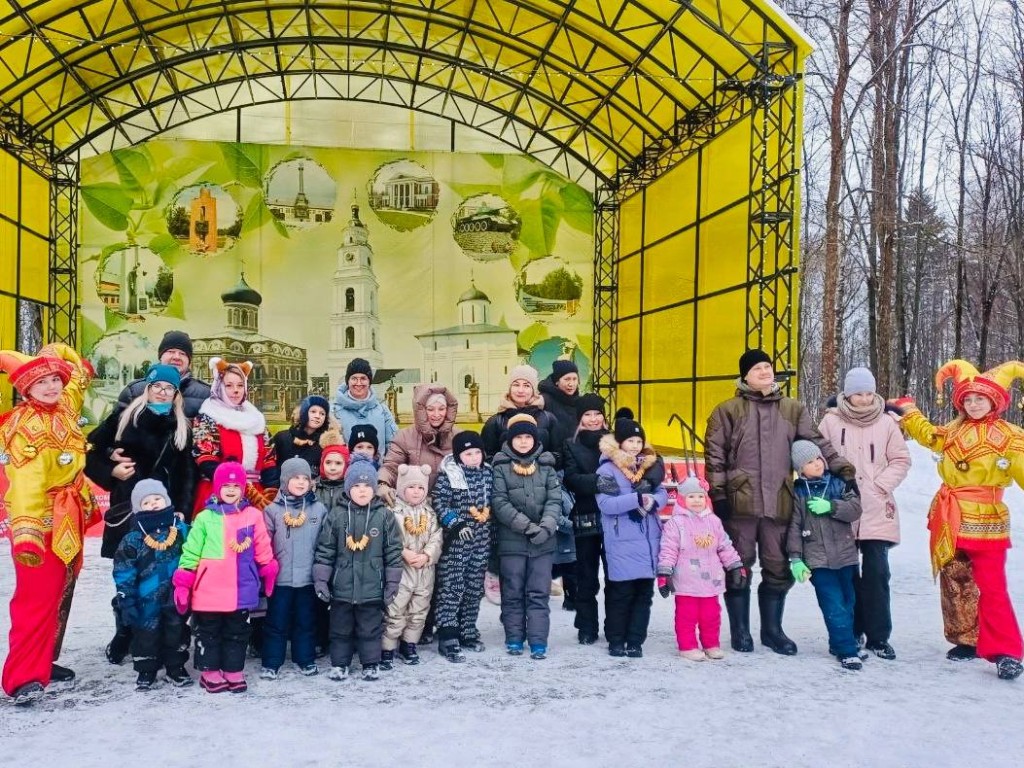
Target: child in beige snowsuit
(421,549)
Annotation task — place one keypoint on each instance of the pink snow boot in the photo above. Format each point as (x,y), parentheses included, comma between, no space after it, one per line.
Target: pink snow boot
(236,682)
(212,680)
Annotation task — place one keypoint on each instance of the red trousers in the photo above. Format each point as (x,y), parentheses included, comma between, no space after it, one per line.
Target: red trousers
(998,631)
(692,613)
(39,615)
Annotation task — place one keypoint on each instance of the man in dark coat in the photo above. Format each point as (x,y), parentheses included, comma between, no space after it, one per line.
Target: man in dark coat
(747,447)
(175,349)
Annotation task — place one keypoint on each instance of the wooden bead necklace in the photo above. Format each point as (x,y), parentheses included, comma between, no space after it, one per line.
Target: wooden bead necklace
(161,546)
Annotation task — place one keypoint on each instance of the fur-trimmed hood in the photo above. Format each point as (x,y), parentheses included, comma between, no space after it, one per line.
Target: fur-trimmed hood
(422,393)
(610,451)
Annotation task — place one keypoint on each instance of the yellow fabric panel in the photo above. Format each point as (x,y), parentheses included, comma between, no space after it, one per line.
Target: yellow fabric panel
(35,195)
(723,250)
(709,395)
(668,343)
(660,402)
(8,185)
(628,350)
(726,169)
(721,329)
(626,396)
(8,340)
(668,271)
(35,264)
(8,257)
(628,293)
(631,225)
(672,200)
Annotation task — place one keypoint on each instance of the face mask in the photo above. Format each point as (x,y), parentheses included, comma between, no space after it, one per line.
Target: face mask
(160,409)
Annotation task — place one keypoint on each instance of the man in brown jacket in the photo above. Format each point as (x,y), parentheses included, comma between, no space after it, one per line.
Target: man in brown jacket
(747,449)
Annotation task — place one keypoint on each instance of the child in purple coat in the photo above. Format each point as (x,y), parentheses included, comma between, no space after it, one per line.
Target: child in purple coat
(697,561)
(629,500)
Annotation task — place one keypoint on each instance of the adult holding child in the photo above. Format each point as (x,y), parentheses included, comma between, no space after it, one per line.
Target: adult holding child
(747,445)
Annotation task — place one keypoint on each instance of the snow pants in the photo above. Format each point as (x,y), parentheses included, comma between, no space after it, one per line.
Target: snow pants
(872,615)
(693,613)
(165,645)
(291,616)
(976,607)
(589,558)
(461,575)
(356,626)
(525,597)
(39,615)
(834,589)
(407,615)
(765,539)
(221,640)
(627,611)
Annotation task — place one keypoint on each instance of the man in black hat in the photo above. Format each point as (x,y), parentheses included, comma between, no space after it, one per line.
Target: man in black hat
(175,349)
(747,450)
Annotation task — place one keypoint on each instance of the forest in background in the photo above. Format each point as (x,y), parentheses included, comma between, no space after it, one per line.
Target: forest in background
(913,194)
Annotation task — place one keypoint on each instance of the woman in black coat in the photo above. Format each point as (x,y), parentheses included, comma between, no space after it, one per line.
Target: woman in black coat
(154,434)
(302,438)
(522,397)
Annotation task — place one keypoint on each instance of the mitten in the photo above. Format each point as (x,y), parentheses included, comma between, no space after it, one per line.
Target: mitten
(530,530)
(127,610)
(392,578)
(540,536)
(183,581)
(722,508)
(903,405)
(465,533)
(664,588)
(737,578)
(645,486)
(819,506)
(648,503)
(268,575)
(386,494)
(800,570)
(321,579)
(607,485)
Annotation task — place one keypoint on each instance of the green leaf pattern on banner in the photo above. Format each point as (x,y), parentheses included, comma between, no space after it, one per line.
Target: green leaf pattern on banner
(109,203)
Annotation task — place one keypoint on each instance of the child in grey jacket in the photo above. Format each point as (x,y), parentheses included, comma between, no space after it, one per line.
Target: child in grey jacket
(822,548)
(527,504)
(293,521)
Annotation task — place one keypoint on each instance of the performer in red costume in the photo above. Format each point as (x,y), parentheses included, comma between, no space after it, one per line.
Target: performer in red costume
(42,452)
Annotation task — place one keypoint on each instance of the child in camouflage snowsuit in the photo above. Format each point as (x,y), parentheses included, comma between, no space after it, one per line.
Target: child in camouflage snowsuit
(462,498)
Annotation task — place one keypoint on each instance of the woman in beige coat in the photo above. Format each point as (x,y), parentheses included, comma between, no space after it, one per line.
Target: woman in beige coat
(861,430)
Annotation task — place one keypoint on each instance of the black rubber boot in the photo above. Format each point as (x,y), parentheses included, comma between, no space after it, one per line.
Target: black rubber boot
(737,604)
(119,645)
(772,604)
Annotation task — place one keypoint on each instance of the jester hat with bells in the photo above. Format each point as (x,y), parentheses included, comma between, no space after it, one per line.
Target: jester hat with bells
(994,383)
(24,370)
(218,367)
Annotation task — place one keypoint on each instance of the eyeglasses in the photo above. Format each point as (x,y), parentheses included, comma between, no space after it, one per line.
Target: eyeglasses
(163,389)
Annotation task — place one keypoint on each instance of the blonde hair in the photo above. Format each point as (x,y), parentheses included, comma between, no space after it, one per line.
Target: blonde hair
(138,405)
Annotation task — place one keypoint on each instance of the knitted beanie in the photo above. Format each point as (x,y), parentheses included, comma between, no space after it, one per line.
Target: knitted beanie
(412,474)
(363,433)
(167,374)
(464,441)
(358,365)
(561,368)
(525,372)
(750,358)
(175,340)
(521,424)
(294,467)
(360,472)
(309,402)
(858,380)
(802,452)
(145,488)
(227,473)
(589,402)
(627,428)
(690,485)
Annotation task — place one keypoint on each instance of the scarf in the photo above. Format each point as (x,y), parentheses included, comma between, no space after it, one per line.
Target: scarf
(860,415)
(152,521)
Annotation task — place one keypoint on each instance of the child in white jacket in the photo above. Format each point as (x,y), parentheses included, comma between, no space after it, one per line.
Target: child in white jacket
(861,430)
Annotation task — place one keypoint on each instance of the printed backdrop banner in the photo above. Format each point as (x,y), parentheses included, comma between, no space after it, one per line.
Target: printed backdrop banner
(438,267)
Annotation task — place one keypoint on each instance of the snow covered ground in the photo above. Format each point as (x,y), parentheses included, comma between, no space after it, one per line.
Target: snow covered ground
(578,707)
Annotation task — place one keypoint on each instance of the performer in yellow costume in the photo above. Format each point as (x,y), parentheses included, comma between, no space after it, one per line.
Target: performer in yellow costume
(42,452)
(979,454)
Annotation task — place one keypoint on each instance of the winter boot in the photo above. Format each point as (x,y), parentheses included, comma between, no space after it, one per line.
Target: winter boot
(370,673)
(1008,668)
(387,661)
(476,646)
(616,649)
(882,650)
(538,652)
(145,681)
(450,650)
(28,694)
(962,653)
(118,646)
(268,673)
(61,678)
(212,681)
(851,662)
(772,604)
(236,682)
(310,670)
(634,651)
(586,638)
(715,654)
(407,653)
(737,604)
(179,677)
(338,673)
(514,648)
(694,654)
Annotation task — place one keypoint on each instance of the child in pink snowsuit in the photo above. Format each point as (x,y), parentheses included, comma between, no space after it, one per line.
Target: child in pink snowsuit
(697,561)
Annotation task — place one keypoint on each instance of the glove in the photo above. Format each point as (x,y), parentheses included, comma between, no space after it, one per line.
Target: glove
(268,575)
(386,494)
(183,581)
(819,506)
(606,484)
(647,502)
(902,405)
(466,533)
(531,530)
(664,588)
(126,610)
(645,486)
(722,508)
(540,536)
(392,578)
(321,577)
(800,570)
(737,578)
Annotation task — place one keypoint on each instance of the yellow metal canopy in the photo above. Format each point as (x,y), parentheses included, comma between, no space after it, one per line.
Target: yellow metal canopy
(591,84)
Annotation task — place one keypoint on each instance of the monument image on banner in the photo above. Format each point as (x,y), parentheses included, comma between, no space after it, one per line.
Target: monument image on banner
(307,278)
